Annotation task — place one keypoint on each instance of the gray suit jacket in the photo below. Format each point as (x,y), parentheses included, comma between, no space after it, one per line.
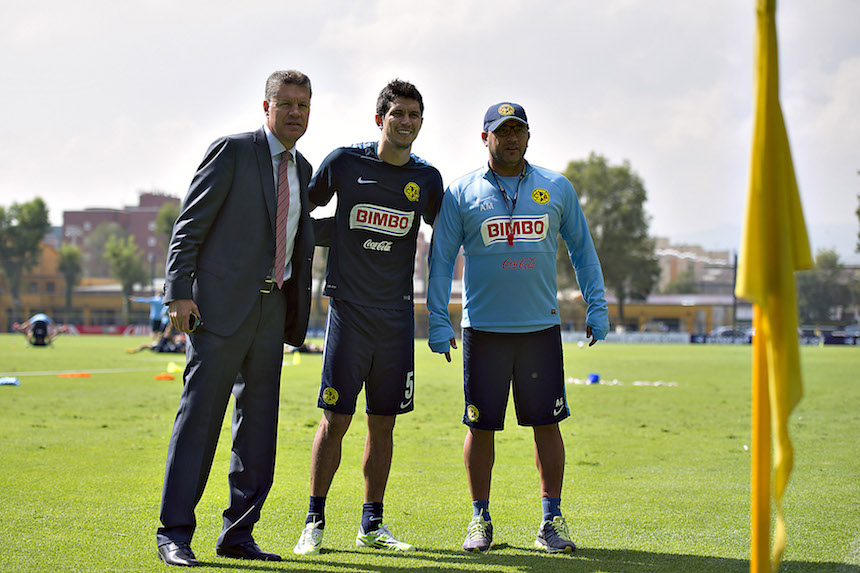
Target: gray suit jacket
(223,242)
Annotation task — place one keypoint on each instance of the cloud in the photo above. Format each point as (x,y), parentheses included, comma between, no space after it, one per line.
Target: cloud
(102,100)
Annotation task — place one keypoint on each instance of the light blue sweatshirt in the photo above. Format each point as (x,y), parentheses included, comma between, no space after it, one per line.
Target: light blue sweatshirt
(510,273)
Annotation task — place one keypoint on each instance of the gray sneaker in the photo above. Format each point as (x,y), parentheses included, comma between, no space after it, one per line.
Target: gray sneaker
(553,536)
(479,535)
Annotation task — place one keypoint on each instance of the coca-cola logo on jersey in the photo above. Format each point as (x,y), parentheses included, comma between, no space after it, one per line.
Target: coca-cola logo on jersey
(525,263)
(378,245)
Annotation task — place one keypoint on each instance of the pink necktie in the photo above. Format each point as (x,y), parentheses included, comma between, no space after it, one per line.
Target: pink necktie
(281,220)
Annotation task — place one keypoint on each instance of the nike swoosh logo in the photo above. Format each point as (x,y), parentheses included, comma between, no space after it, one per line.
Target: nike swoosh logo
(405,404)
(363,181)
(558,410)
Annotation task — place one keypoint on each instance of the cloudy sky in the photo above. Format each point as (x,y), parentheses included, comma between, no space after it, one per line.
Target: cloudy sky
(102,99)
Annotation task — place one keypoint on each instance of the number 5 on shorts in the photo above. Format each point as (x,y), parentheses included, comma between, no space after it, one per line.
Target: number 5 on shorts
(410,389)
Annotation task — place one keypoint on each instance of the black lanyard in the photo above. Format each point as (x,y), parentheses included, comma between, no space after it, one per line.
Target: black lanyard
(513,202)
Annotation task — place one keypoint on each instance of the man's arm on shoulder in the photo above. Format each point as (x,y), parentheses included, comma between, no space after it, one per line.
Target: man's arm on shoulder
(434,203)
(322,186)
(323,231)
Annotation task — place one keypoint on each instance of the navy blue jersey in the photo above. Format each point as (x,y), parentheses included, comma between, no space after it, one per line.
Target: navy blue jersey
(379,209)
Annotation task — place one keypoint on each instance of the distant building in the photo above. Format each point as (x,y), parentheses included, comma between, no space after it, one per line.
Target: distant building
(54,237)
(139,221)
(713,271)
(43,289)
(693,313)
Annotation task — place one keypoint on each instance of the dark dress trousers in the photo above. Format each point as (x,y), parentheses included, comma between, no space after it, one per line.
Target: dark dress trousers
(220,255)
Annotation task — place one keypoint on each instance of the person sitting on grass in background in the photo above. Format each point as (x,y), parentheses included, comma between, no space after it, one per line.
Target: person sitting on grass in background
(306,348)
(40,329)
(170,341)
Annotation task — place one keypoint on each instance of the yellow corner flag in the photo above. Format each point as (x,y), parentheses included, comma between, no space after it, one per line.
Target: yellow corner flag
(774,245)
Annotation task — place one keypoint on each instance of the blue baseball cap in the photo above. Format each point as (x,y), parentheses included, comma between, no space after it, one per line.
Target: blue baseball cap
(502,112)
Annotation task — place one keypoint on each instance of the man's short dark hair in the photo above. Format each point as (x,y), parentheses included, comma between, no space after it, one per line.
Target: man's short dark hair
(284,77)
(395,89)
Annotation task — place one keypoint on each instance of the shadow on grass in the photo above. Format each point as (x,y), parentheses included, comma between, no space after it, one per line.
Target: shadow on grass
(508,558)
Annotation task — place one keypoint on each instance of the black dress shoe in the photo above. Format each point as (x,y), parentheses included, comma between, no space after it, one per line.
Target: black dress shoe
(247,550)
(177,554)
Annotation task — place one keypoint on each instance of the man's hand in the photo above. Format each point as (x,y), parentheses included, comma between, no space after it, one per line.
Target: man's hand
(180,310)
(588,334)
(454,346)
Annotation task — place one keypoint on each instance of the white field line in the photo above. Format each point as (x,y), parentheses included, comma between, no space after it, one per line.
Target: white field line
(616,382)
(98,371)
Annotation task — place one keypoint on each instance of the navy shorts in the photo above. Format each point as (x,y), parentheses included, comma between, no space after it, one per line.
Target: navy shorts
(370,347)
(40,333)
(531,360)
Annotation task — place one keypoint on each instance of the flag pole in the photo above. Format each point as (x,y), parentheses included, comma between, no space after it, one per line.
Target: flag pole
(760,488)
(774,245)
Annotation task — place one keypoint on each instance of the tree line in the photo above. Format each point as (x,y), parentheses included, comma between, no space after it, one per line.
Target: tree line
(612,198)
(108,250)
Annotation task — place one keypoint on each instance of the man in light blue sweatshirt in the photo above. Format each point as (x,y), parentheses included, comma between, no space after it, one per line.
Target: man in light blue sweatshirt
(507,216)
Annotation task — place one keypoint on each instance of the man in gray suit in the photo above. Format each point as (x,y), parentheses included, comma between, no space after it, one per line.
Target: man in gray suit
(238,280)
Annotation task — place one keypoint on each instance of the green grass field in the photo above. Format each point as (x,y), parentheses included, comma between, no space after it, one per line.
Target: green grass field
(657,476)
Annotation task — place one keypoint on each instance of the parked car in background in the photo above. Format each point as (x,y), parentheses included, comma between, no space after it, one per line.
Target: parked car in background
(849,334)
(852,330)
(727,334)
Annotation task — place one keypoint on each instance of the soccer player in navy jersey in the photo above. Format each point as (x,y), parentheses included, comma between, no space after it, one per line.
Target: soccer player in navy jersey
(508,216)
(383,192)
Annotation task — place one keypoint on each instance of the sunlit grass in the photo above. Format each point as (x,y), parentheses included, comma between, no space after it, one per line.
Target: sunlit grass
(657,475)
